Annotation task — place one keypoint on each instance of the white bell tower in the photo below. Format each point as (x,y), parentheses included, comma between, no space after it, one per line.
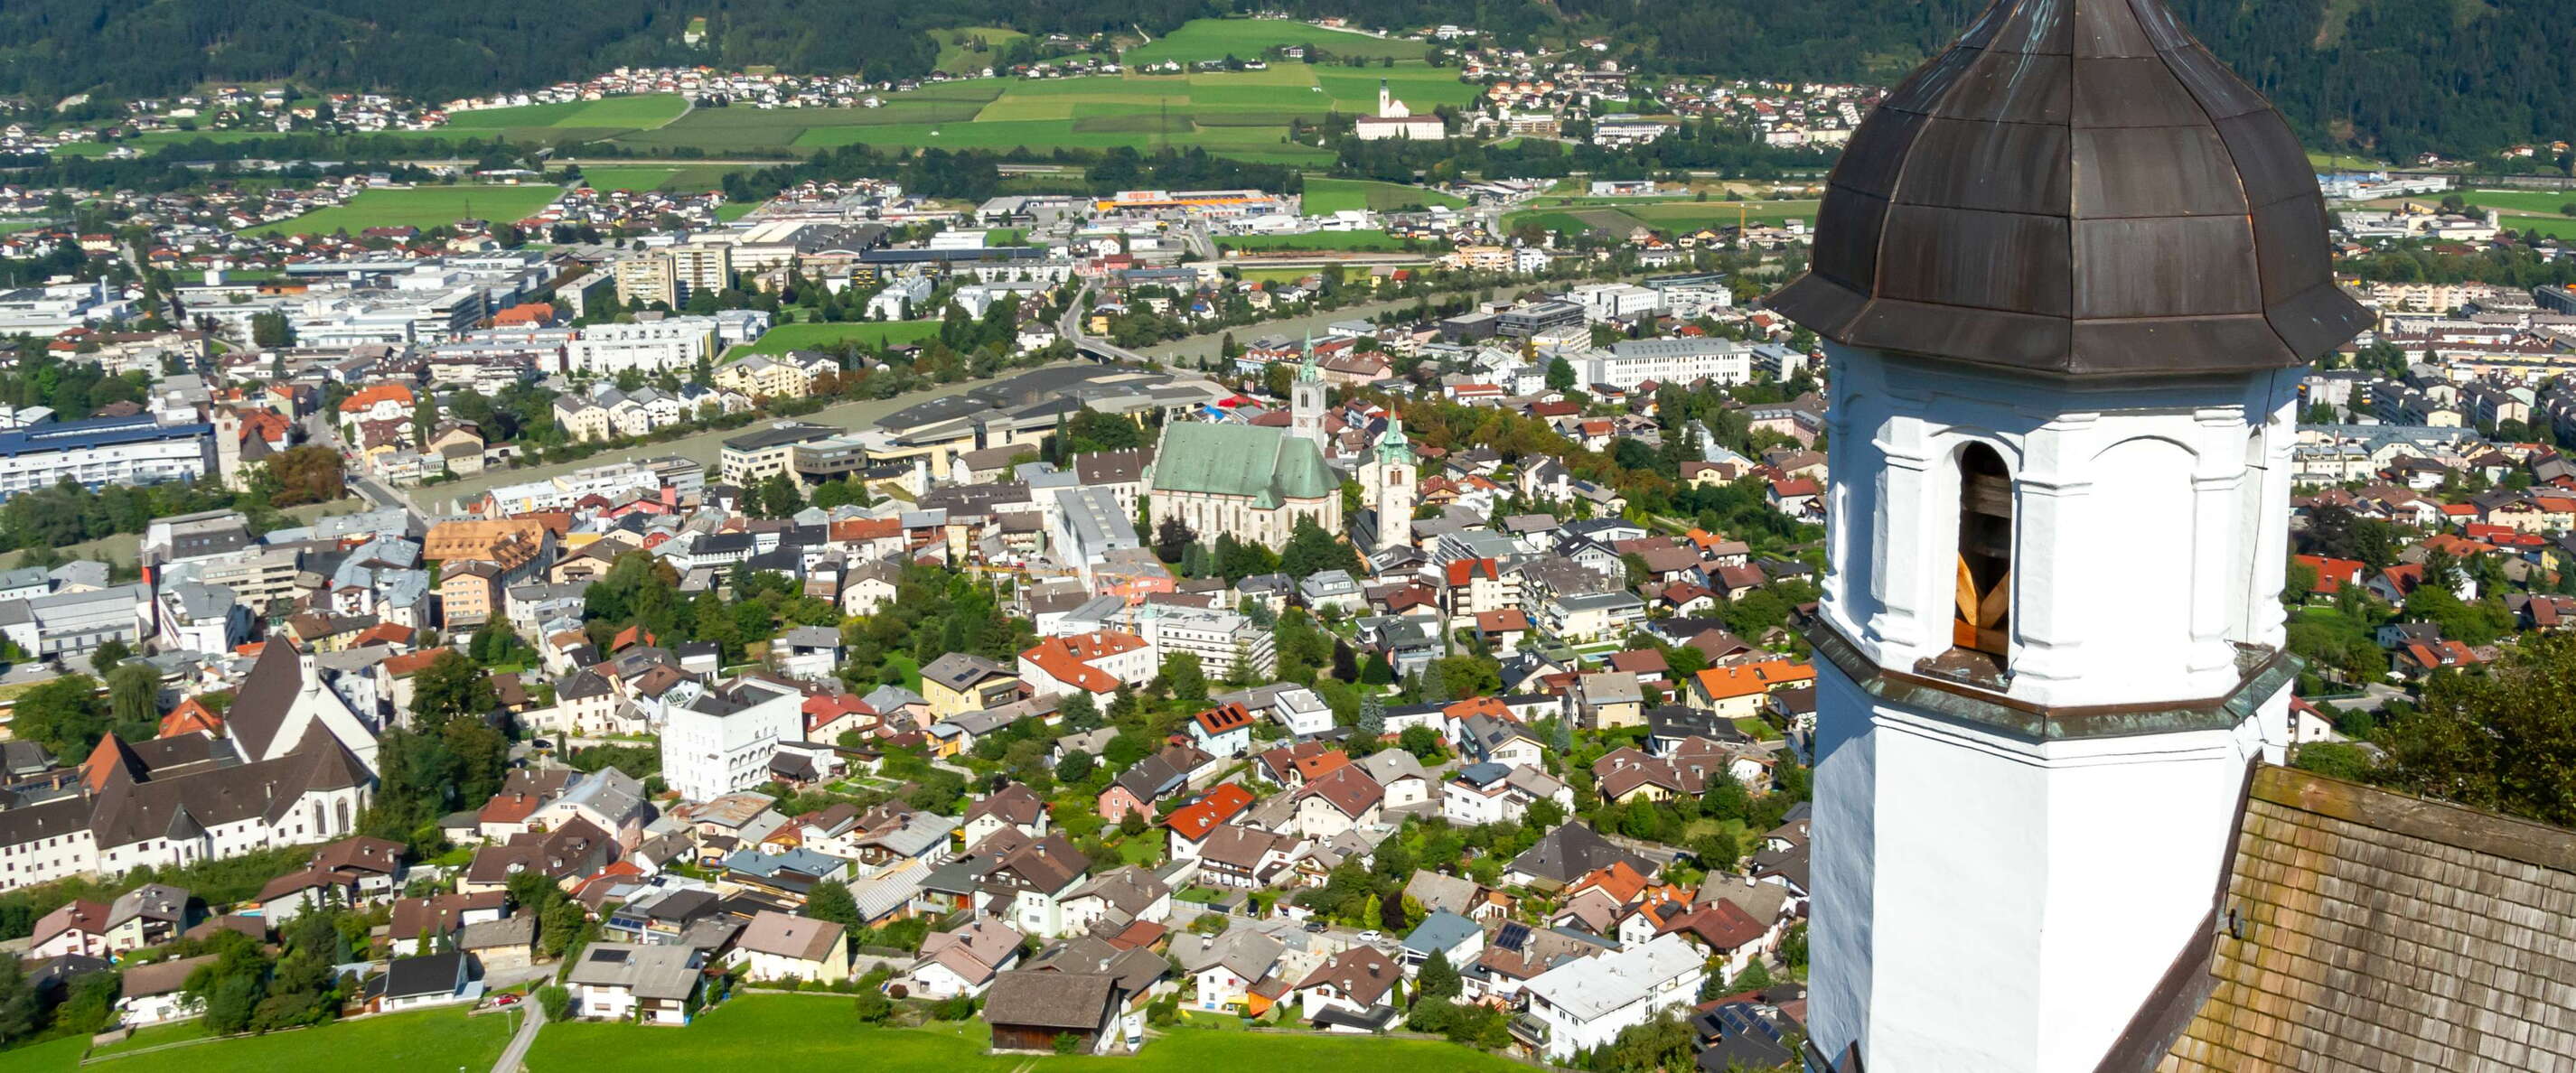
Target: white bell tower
(1306,400)
(2069,272)
(1387,478)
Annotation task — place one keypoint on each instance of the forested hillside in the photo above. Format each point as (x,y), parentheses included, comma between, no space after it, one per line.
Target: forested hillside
(2393,77)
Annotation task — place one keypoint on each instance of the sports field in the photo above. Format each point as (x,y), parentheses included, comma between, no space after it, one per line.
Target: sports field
(1215,39)
(421,206)
(1325,196)
(786,337)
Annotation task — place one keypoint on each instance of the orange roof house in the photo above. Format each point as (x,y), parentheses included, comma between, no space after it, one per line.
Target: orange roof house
(188,718)
(367,397)
(1717,687)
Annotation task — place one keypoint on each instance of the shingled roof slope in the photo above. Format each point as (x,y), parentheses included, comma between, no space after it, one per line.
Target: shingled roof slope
(2372,930)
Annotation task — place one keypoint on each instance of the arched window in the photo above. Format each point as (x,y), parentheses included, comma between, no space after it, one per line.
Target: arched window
(1980,623)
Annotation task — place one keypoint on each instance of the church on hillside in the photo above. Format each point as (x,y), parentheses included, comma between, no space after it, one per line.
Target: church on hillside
(1395,120)
(2070,273)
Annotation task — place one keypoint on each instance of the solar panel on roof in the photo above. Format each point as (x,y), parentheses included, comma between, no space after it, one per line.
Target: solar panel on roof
(1512,936)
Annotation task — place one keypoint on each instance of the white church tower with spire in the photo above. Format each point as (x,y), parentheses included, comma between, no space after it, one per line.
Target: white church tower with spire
(2068,272)
(1306,400)
(1387,480)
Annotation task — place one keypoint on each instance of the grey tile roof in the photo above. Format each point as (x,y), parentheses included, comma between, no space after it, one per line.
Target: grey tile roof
(2379,931)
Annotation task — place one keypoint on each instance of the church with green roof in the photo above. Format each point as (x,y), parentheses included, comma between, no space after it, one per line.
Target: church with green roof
(1251,482)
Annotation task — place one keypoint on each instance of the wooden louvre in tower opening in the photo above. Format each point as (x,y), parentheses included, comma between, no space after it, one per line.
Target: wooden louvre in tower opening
(1984,598)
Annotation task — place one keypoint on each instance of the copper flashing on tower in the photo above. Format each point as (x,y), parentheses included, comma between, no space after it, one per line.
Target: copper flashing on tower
(2076,188)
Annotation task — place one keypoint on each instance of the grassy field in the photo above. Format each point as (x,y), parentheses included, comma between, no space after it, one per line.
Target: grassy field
(790,1031)
(957,54)
(623,177)
(2344,162)
(743,127)
(1335,195)
(2553,226)
(2532,202)
(786,337)
(1620,215)
(1239,114)
(58,1056)
(1215,39)
(428,1040)
(421,206)
(643,110)
(1319,240)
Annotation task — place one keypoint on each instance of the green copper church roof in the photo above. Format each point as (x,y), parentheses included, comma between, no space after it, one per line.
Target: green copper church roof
(1265,464)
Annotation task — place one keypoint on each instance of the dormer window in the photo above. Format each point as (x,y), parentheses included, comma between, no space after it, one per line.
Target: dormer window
(1980,621)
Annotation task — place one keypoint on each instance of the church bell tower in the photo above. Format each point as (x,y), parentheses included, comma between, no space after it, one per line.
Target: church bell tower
(1387,478)
(2068,273)
(1306,399)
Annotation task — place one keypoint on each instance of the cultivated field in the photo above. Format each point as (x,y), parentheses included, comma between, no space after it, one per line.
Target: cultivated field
(420,206)
(645,110)
(1240,114)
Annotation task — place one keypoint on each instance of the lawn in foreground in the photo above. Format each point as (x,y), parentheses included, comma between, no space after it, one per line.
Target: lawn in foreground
(786,337)
(821,1032)
(428,1040)
(422,206)
(58,1056)
(1215,39)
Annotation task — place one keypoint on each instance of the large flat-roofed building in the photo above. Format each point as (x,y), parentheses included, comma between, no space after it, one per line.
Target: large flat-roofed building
(1221,639)
(1631,362)
(104,451)
(1253,482)
(70,625)
(764,452)
(674,343)
(1521,322)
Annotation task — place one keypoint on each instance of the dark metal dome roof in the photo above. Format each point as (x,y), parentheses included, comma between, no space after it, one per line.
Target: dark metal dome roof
(2076,188)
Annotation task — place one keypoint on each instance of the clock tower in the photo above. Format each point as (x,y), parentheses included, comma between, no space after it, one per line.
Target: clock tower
(2068,272)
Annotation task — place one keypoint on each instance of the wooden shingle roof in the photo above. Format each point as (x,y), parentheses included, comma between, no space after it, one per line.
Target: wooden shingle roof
(2372,930)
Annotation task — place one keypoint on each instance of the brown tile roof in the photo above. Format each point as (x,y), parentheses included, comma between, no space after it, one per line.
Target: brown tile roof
(2373,930)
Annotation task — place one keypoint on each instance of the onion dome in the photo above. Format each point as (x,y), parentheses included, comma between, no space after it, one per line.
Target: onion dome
(2076,188)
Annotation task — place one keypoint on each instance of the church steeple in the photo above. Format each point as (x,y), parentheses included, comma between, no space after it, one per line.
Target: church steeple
(2067,273)
(1306,397)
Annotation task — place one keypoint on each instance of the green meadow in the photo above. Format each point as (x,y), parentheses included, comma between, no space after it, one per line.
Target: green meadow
(1215,39)
(421,206)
